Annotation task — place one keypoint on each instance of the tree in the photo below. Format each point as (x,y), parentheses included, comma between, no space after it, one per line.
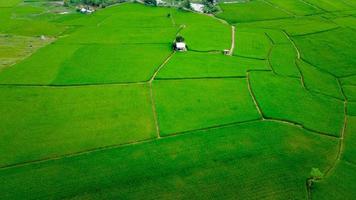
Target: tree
(315,175)
(179,39)
(66,3)
(209,6)
(150,2)
(186,4)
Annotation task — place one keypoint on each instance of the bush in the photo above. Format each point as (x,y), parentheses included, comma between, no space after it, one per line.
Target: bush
(150,2)
(179,39)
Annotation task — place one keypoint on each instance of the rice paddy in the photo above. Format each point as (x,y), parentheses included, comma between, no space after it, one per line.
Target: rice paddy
(100,106)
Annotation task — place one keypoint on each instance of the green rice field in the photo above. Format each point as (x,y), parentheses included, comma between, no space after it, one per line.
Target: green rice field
(100,106)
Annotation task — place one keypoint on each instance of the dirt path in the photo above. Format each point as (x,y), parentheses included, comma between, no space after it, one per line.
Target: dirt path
(233,30)
(153,103)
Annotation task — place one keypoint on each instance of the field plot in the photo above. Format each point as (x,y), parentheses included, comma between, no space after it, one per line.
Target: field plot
(332,51)
(296,7)
(111,64)
(9,3)
(295,26)
(330,5)
(350,92)
(84,117)
(99,106)
(255,10)
(203,33)
(195,104)
(282,59)
(252,44)
(325,83)
(349,22)
(248,159)
(40,68)
(289,98)
(15,48)
(199,65)
(340,185)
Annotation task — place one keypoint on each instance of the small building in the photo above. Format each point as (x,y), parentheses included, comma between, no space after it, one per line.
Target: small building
(198,7)
(87,10)
(226,52)
(180,46)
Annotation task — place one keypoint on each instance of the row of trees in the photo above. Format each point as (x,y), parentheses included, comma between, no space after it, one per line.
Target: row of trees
(96,3)
(209,5)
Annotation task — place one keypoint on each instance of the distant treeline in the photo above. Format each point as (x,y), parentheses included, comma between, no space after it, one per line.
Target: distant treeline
(97,3)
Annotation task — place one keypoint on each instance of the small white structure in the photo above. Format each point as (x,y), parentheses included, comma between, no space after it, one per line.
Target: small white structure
(227,52)
(180,46)
(198,7)
(86,10)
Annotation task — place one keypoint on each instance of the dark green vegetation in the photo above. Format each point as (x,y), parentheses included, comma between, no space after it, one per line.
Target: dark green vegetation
(99,106)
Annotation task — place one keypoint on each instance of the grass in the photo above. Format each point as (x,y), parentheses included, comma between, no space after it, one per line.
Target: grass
(203,33)
(95,64)
(40,68)
(282,59)
(289,98)
(296,7)
(84,117)
(252,44)
(255,10)
(329,49)
(341,182)
(295,26)
(329,5)
(248,161)
(14,48)
(350,92)
(80,104)
(195,104)
(195,65)
(325,83)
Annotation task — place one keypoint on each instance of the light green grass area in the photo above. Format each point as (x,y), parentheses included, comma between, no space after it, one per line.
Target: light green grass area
(203,33)
(28,20)
(245,161)
(295,26)
(340,185)
(296,7)
(195,65)
(351,108)
(349,153)
(330,5)
(252,44)
(104,109)
(350,92)
(348,80)
(285,99)
(84,117)
(112,35)
(254,10)
(324,83)
(332,51)
(195,104)
(9,3)
(349,21)
(282,59)
(15,48)
(40,68)
(277,36)
(111,64)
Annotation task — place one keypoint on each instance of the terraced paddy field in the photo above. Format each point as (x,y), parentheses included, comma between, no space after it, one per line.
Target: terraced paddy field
(100,107)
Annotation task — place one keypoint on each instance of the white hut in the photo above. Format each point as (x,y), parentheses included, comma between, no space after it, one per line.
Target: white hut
(180,46)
